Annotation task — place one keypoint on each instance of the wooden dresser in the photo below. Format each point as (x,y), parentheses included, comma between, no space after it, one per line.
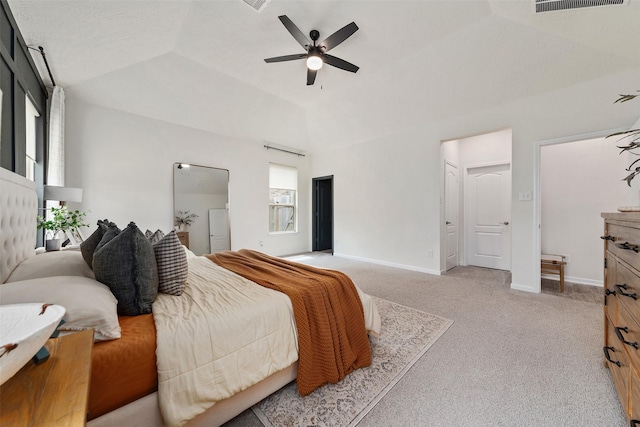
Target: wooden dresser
(622,307)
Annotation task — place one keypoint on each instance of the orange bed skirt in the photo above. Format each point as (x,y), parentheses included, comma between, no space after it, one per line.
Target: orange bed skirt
(124,370)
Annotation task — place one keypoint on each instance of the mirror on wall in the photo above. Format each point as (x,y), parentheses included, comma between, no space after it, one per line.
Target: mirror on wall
(201,207)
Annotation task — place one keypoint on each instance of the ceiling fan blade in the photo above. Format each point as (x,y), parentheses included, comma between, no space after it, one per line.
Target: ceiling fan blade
(339,36)
(286,58)
(340,63)
(295,31)
(311,76)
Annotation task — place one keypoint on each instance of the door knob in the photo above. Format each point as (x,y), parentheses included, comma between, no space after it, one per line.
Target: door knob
(506,223)
(448,222)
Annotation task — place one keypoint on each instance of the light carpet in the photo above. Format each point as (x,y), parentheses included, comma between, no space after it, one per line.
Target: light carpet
(406,334)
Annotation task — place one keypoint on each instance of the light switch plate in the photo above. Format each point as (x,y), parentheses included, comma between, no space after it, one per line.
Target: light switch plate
(524,196)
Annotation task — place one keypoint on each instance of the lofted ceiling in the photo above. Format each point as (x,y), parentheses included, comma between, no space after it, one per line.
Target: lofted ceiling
(200,63)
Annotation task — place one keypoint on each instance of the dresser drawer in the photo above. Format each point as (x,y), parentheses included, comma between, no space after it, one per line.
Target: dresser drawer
(627,331)
(618,363)
(627,288)
(626,245)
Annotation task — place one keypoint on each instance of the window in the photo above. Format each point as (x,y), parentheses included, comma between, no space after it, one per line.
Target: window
(283,199)
(31,116)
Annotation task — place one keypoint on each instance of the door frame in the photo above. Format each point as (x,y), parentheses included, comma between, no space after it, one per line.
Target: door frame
(314,212)
(537,200)
(466,205)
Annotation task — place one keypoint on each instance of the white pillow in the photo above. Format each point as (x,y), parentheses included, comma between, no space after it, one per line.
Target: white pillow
(55,263)
(89,304)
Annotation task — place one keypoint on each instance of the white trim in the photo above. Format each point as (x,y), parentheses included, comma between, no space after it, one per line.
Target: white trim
(537,203)
(389,264)
(577,280)
(524,288)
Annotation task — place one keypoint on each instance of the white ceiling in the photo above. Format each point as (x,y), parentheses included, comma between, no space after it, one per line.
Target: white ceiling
(200,63)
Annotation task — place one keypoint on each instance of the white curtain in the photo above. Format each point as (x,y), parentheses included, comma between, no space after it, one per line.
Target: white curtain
(55,171)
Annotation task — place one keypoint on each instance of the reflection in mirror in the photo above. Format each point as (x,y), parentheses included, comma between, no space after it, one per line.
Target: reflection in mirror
(201,207)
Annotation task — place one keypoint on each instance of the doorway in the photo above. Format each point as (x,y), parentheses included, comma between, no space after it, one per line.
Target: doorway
(322,208)
(576,179)
(476,201)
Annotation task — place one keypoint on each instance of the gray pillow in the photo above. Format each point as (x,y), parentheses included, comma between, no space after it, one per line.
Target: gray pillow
(88,247)
(154,237)
(126,263)
(172,264)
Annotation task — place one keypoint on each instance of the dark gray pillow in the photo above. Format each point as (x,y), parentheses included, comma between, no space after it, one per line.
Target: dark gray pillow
(172,264)
(88,247)
(126,263)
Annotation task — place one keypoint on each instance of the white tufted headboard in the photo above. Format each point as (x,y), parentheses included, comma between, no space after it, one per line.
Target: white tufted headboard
(18,211)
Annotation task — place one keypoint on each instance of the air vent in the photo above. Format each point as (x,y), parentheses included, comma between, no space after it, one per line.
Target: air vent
(556,5)
(256,5)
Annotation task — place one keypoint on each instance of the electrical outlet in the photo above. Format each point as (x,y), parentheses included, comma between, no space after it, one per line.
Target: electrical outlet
(260,242)
(430,254)
(566,258)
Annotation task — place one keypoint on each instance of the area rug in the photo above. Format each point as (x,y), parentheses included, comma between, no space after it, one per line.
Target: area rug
(406,334)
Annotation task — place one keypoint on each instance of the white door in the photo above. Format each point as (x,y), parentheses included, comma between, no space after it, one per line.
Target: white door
(219,230)
(488,213)
(451,214)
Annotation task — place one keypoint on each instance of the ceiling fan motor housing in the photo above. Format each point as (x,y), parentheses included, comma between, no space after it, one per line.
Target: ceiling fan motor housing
(315,35)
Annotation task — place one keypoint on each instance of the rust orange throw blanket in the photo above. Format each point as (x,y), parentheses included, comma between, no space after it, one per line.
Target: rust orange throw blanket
(332,338)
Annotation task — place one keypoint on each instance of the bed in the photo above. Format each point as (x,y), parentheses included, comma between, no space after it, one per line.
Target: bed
(163,396)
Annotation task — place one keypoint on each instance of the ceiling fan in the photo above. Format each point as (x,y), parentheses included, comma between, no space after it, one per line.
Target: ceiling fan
(317,55)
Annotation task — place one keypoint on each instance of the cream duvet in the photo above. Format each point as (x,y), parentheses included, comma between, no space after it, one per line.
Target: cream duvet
(221,336)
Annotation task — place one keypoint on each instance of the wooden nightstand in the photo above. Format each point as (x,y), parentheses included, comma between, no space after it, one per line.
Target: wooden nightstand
(56,392)
(184,238)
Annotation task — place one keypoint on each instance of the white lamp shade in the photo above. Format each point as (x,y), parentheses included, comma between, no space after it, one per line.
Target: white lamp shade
(62,194)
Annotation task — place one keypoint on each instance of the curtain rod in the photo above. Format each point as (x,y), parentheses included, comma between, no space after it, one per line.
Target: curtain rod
(41,49)
(268,147)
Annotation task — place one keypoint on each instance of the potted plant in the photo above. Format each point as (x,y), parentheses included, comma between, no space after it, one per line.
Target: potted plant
(184,219)
(62,220)
(632,139)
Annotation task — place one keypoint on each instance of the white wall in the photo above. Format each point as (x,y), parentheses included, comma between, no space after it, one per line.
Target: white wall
(574,189)
(124,164)
(387,204)
(387,189)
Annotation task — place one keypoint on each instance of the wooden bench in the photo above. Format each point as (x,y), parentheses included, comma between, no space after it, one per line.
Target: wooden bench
(553,264)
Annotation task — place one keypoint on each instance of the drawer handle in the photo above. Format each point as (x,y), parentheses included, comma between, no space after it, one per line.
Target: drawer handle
(606,355)
(612,238)
(621,291)
(628,246)
(624,329)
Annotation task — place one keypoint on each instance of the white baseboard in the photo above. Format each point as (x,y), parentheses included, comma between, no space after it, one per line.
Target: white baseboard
(524,288)
(577,280)
(389,264)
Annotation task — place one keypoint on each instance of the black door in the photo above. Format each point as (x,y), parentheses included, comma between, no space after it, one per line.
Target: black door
(323,213)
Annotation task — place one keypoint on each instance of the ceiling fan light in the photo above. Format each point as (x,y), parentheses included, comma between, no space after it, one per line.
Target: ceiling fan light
(314,62)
